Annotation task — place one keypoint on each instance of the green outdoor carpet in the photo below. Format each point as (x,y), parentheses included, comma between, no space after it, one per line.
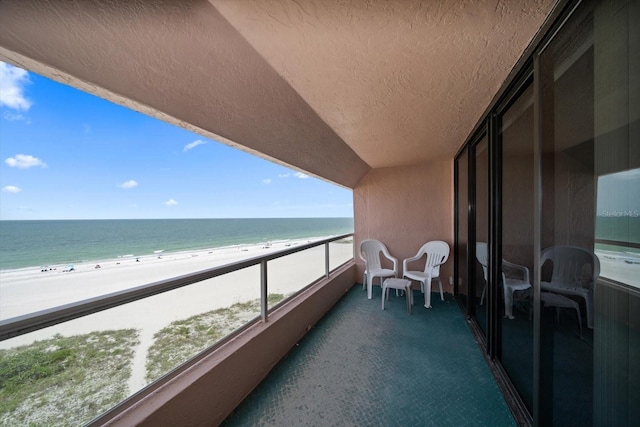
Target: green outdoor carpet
(362,366)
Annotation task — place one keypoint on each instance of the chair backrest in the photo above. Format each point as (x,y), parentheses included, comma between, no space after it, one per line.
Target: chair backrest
(569,263)
(437,253)
(482,256)
(370,252)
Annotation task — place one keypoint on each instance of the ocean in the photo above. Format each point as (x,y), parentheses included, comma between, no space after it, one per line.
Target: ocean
(37,243)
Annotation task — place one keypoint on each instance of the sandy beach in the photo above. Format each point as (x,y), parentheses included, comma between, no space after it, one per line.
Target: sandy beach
(28,290)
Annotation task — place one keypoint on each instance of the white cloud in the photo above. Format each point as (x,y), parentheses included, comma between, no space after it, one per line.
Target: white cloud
(11,189)
(170,202)
(266,181)
(24,161)
(129,184)
(10,117)
(283,175)
(193,144)
(301,175)
(12,83)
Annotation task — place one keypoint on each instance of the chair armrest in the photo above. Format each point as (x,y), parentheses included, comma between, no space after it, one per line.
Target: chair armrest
(386,253)
(521,268)
(395,263)
(405,263)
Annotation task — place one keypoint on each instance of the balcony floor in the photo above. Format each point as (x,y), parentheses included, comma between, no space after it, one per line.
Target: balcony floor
(363,366)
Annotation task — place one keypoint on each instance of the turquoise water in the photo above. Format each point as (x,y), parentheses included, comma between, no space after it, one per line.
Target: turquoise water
(624,229)
(35,243)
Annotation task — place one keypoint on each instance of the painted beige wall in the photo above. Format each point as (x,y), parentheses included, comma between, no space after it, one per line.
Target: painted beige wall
(405,207)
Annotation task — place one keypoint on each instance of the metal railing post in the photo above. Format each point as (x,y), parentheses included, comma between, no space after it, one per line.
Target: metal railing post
(263,290)
(326,260)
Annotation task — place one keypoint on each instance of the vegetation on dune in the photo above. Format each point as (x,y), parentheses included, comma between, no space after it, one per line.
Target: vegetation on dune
(183,339)
(65,380)
(70,380)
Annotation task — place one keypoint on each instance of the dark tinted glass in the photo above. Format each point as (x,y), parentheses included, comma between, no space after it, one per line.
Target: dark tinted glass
(463,227)
(481,183)
(516,136)
(590,211)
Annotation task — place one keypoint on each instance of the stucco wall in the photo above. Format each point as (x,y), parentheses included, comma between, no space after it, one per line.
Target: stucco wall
(405,207)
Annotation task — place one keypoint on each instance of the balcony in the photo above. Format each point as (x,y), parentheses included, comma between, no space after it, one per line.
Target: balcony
(348,363)
(360,365)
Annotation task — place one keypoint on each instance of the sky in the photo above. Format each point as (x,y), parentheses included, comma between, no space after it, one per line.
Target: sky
(619,194)
(67,154)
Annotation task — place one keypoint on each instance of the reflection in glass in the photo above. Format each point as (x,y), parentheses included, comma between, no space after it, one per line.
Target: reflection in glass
(618,226)
(590,114)
(482,227)
(517,241)
(463,230)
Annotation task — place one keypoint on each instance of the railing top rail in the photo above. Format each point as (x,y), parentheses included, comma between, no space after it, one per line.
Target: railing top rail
(619,243)
(20,325)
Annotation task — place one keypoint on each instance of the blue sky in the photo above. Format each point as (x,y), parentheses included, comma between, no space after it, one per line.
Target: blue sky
(70,155)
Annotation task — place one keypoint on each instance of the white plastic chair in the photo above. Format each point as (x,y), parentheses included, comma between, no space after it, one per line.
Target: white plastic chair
(569,276)
(370,250)
(509,284)
(437,253)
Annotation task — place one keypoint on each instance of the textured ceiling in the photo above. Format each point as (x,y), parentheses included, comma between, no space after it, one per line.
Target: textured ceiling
(401,82)
(329,87)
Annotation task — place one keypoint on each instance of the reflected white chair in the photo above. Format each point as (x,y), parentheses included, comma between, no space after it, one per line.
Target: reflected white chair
(575,272)
(509,284)
(437,253)
(370,251)
(551,299)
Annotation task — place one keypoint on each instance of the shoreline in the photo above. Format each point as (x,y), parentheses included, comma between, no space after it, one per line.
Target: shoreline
(19,288)
(58,266)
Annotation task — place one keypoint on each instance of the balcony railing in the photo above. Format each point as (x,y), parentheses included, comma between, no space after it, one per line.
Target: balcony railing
(265,269)
(20,325)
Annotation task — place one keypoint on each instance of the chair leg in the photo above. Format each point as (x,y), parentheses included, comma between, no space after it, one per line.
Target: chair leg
(440,284)
(589,307)
(369,286)
(484,290)
(364,281)
(427,294)
(407,291)
(579,321)
(508,302)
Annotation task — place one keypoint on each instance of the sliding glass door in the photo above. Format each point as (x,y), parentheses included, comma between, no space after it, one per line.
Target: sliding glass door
(481,231)
(548,223)
(590,223)
(517,224)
